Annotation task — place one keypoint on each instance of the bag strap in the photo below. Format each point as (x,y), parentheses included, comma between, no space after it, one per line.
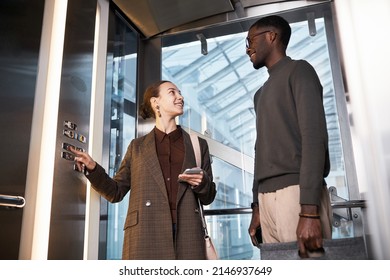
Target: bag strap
(196,147)
(204,225)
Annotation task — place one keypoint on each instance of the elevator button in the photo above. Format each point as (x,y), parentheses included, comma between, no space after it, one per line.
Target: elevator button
(80,149)
(81,138)
(69,133)
(83,170)
(67,146)
(67,156)
(70,125)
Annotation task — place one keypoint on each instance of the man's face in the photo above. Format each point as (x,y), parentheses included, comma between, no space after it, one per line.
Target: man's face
(257,46)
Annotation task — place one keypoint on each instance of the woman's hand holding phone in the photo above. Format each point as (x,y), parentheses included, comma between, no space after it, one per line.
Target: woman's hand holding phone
(192,176)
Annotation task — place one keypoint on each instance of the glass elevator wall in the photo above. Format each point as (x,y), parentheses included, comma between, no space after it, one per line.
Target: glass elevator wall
(121,78)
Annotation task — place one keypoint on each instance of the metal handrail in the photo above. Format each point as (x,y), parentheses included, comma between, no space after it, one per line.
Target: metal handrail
(248,210)
(12,201)
(229,211)
(349,204)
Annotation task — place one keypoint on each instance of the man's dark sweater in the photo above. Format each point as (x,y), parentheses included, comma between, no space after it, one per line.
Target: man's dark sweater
(292,140)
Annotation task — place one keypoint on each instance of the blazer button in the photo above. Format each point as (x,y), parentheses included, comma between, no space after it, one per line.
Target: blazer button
(148,203)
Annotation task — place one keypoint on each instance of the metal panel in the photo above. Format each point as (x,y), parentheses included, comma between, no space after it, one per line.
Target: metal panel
(20,33)
(67,224)
(155,16)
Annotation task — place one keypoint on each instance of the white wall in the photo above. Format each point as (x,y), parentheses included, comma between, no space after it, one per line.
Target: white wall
(364,30)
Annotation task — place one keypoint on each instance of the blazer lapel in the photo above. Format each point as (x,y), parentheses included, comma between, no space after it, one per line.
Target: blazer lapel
(148,150)
(188,162)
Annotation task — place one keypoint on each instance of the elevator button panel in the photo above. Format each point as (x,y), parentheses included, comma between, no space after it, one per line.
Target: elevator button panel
(69,130)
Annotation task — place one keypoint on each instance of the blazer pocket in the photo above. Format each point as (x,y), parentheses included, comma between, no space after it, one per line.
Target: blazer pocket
(131,219)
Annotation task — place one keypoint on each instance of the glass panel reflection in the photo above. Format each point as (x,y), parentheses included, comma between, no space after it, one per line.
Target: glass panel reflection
(234,186)
(230,237)
(122,131)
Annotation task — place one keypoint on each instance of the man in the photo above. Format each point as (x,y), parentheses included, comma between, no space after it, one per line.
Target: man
(290,197)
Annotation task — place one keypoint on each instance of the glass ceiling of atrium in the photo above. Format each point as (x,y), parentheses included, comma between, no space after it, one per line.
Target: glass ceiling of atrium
(221,84)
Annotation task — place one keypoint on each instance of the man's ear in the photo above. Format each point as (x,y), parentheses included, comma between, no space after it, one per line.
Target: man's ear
(272,35)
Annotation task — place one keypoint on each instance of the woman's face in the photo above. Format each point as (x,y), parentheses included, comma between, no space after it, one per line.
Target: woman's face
(170,100)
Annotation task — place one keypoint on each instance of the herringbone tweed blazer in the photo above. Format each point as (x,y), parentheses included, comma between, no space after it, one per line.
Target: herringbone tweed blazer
(148,226)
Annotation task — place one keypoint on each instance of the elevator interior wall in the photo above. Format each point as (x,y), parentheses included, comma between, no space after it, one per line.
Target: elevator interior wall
(20,33)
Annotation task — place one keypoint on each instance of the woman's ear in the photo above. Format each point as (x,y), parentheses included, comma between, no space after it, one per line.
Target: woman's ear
(153,102)
(154,105)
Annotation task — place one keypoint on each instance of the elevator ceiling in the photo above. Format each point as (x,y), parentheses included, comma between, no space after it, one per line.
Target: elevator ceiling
(154,17)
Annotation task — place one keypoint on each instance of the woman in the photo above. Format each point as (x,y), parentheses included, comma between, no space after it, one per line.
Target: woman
(163,220)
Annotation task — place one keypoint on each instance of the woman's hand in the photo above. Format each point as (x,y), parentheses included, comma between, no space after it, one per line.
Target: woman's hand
(83,160)
(193,176)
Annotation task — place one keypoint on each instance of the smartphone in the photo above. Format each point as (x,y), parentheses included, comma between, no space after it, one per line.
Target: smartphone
(195,170)
(258,237)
